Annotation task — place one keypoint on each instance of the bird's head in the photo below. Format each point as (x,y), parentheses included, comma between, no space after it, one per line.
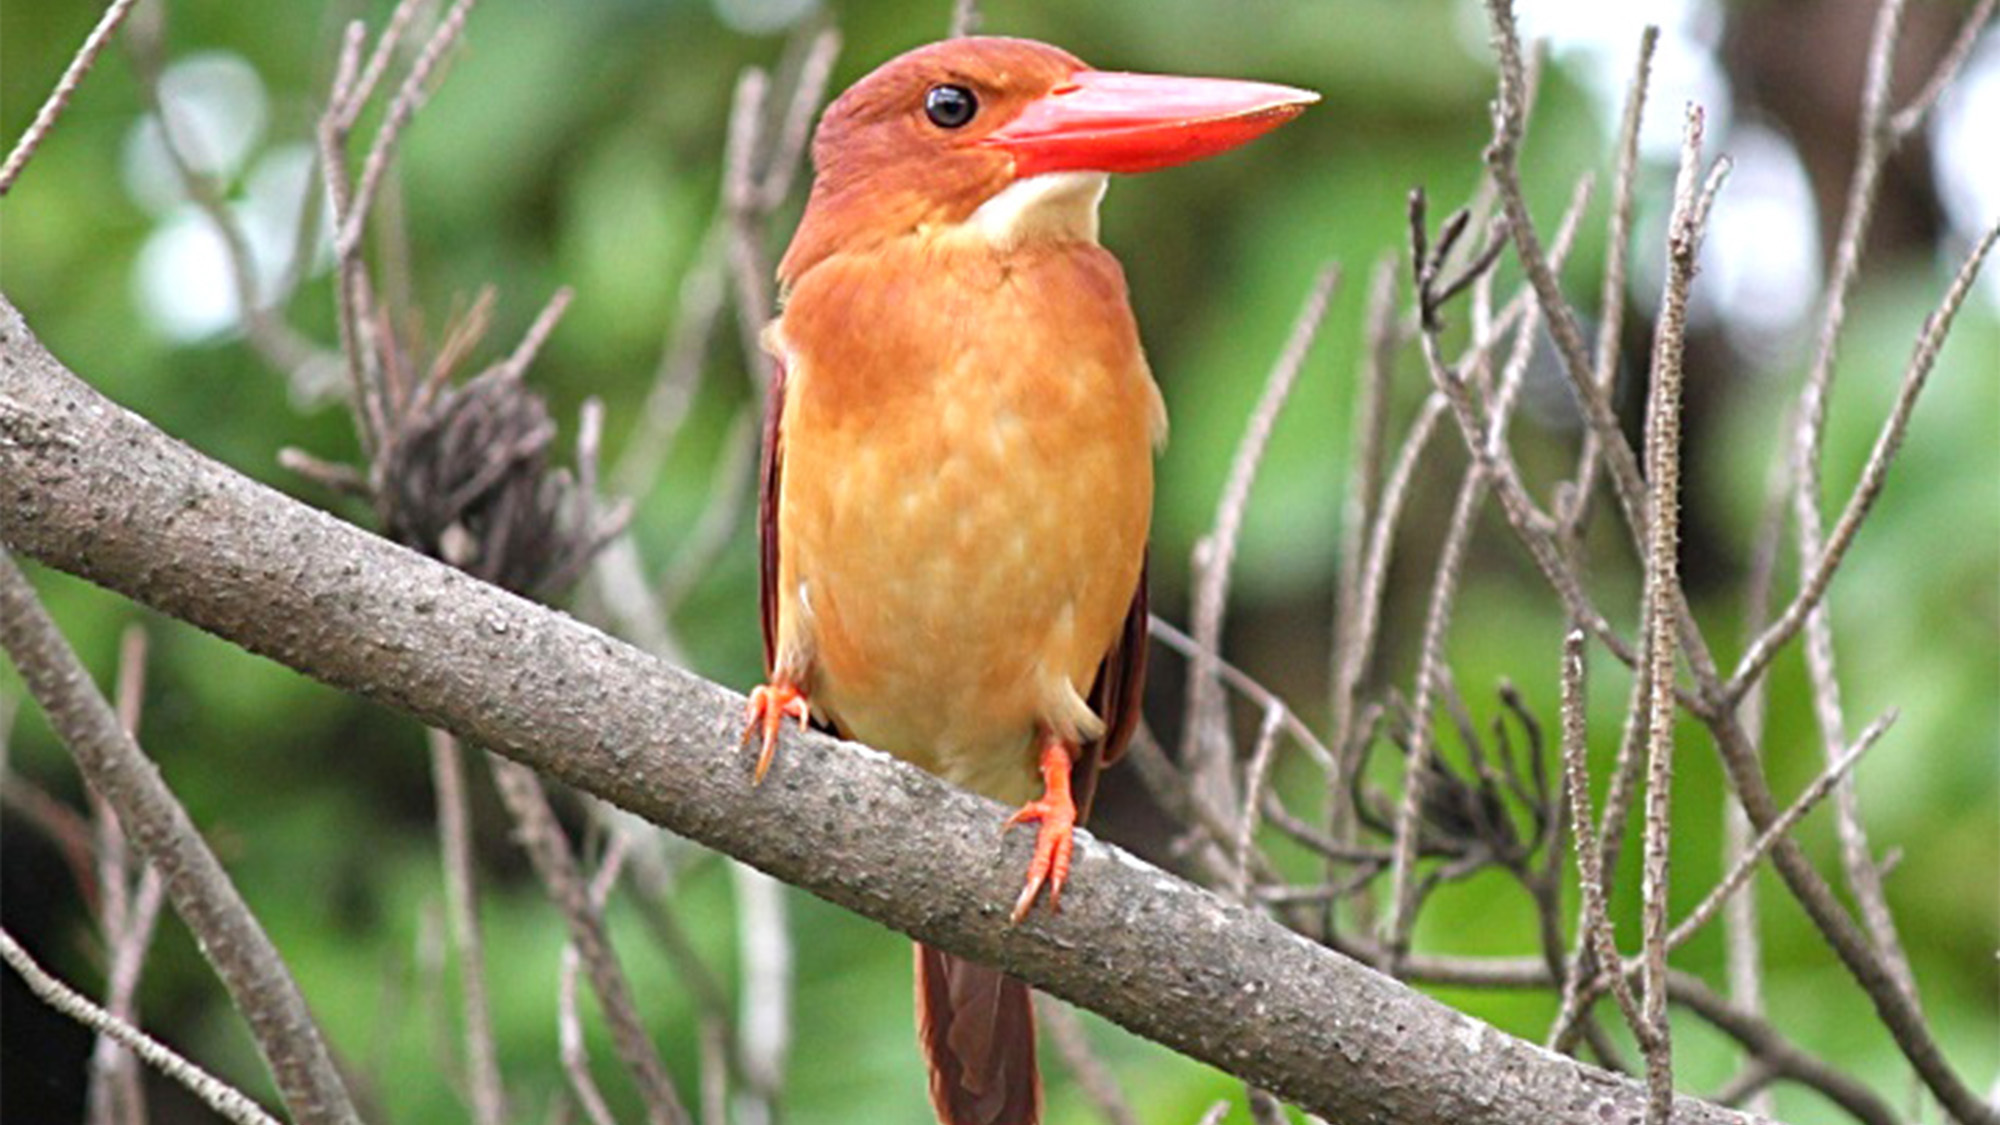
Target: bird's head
(1007,139)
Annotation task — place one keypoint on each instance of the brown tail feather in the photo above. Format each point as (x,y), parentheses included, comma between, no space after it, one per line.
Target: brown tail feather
(977,1027)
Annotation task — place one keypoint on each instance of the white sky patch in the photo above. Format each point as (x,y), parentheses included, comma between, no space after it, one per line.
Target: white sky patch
(216,104)
(762,17)
(1966,153)
(183,281)
(1760,260)
(1599,43)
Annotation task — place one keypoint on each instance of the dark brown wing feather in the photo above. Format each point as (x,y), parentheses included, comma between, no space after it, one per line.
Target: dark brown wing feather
(770,473)
(977,1027)
(1116,698)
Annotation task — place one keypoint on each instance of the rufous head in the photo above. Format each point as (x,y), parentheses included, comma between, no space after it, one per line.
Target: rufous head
(932,137)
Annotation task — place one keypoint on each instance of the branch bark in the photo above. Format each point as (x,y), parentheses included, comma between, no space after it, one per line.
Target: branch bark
(95,490)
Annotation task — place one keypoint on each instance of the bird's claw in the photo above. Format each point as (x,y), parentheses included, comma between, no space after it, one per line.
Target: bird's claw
(1055,841)
(1054,845)
(769,705)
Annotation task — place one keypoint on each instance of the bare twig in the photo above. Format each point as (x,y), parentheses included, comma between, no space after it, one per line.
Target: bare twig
(964,18)
(1611,295)
(570,1045)
(517,361)
(1663,463)
(114,1093)
(58,100)
(1874,474)
(714,529)
(128,960)
(488,1096)
(1366,452)
(214,1092)
(755,176)
(1257,774)
(1165,632)
(202,894)
(678,374)
(349,107)
(1205,748)
(764,1030)
(555,862)
(1072,1042)
(1594,931)
(1444,590)
(1909,118)
(409,98)
(1753,856)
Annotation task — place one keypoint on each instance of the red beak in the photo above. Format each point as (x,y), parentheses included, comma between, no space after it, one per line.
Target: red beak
(1106,121)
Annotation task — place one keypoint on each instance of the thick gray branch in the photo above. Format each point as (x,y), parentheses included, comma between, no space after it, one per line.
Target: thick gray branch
(90,488)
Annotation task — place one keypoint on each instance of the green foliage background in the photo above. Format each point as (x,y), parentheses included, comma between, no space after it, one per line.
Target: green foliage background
(579,144)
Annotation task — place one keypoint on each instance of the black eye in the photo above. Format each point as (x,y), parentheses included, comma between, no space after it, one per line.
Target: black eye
(950,107)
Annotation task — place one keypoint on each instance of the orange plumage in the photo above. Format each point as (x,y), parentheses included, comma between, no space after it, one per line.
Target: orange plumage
(958,468)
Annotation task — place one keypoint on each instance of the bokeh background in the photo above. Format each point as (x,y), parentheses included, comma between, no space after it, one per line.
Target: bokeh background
(580,144)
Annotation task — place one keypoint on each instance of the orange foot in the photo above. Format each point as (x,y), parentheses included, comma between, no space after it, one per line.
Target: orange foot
(1054,842)
(769,705)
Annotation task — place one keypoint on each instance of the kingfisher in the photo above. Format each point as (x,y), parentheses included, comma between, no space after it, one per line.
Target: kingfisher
(957,476)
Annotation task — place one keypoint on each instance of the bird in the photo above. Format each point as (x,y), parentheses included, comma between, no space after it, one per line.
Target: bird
(956,481)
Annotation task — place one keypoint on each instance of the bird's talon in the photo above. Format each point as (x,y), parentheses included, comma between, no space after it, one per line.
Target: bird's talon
(768,707)
(1055,841)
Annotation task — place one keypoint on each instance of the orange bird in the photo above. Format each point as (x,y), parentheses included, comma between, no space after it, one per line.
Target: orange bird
(958,460)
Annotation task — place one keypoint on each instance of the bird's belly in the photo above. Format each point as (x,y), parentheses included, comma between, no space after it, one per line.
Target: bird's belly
(964,577)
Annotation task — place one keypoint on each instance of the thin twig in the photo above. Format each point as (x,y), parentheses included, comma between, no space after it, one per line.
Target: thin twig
(516,363)
(1909,118)
(1900,1015)
(218,1095)
(58,100)
(1366,451)
(549,849)
(349,107)
(1205,746)
(1863,877)
(715,528)
(1663,465)
(1753,856)
(241,953)
(1416,771)
(1257,774)
(1888,442)
(409,98)
(1165,632)
(128,961)
(488,1095)
(764,951)
(114,1093)
(964,18)
(1595,934)
(1093,1077)
(1611,295)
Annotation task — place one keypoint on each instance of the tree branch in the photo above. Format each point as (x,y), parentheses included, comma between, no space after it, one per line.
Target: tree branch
(97,491)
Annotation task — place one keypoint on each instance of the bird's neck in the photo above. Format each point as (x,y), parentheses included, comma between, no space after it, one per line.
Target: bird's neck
(1058,207)
(1055,208)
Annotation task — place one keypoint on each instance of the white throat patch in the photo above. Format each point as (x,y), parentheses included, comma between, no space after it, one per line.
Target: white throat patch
(1057,205)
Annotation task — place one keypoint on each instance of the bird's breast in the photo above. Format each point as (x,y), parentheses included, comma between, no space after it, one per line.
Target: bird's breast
(966,496)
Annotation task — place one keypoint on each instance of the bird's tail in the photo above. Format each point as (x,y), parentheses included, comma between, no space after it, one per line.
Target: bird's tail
(977,1027)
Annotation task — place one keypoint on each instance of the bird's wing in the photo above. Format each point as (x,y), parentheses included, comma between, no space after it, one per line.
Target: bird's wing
(1116,697)
(769,475)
